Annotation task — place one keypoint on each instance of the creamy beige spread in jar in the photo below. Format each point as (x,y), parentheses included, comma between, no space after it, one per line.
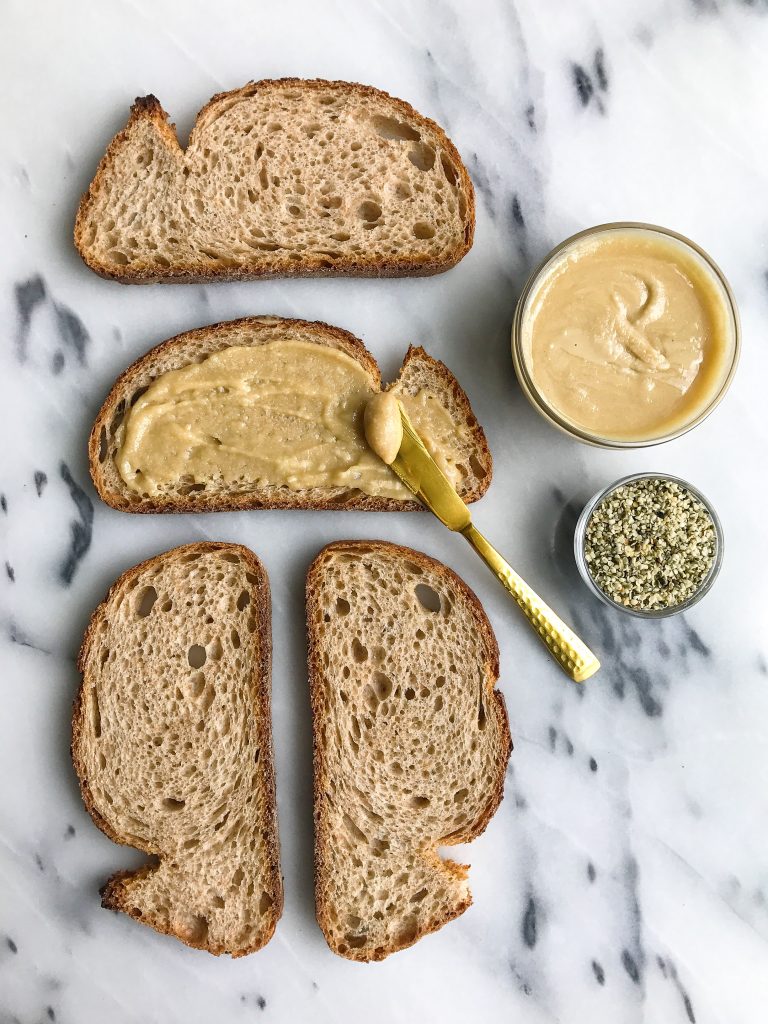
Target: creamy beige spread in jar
(287,413)
(628,334)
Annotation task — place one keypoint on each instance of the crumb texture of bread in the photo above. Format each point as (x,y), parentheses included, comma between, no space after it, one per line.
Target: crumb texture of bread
(419,373)
(411,742)
(284,177)
(172,743)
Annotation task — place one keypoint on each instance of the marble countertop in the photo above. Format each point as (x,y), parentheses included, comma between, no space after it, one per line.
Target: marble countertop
(625,876)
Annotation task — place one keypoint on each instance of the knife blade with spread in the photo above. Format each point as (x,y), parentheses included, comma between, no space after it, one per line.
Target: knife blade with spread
(392,436)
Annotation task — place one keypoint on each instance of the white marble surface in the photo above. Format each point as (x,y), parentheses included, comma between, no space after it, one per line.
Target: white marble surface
(625,876)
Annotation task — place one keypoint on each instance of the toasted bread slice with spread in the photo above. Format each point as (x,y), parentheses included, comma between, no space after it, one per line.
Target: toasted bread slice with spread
(188,427)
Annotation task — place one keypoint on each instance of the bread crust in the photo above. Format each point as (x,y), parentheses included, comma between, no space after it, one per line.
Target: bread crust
(139,374)
(149,107)
(467,833)
(115,894)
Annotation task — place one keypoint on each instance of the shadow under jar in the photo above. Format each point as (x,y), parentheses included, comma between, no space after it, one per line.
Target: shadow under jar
(627,335)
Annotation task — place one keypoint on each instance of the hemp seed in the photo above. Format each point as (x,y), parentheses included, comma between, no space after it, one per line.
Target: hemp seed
(650,544)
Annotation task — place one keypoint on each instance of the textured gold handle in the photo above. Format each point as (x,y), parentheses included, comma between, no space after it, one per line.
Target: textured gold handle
(574,656)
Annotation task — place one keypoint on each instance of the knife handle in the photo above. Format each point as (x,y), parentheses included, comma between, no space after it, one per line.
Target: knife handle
(572,654)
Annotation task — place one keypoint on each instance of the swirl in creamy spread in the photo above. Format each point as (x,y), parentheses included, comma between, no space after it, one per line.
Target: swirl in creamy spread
(286,413)
(627,334)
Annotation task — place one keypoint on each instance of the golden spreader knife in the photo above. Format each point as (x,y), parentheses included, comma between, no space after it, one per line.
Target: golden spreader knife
(420,473)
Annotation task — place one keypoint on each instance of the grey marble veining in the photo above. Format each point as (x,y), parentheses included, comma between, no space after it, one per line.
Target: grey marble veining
(624,878)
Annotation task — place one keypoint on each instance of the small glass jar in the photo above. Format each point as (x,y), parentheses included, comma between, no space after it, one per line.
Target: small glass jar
(579,545)
(522,361)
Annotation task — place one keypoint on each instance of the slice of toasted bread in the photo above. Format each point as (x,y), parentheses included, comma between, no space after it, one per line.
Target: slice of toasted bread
(280,178)
(419,373)
(172,743)
(411,742)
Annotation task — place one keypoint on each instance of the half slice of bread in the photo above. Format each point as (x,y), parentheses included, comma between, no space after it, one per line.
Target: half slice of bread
(280,178)
(419,374)
(172,743)
(411,742)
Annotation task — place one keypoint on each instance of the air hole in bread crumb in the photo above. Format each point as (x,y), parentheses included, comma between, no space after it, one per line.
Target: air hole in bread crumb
(391,128)
(117,419)
(103,445)
(146,602)
(218,902)
(419,896)
(419,801)
(369,697)
(410,693)
(438,703)
(382,685)
(369,211)
(172,804)
(460,796)
(423,230)
(408,932)
(265,902)
(196,656)
(194,930)
(422,156)
(427,597)
(216,649)
(477,467)
(449,170)
(197,685)
(353,830)
(95,713)
(342,606)
(243,600)
(235,638)
(359,652)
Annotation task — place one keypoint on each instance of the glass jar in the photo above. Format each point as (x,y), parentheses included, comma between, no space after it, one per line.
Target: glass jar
(521,345)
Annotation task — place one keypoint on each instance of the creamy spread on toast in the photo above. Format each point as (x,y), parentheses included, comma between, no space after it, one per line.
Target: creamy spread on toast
(287,413)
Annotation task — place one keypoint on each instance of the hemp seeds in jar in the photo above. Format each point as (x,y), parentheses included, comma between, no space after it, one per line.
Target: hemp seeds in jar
(650,544)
